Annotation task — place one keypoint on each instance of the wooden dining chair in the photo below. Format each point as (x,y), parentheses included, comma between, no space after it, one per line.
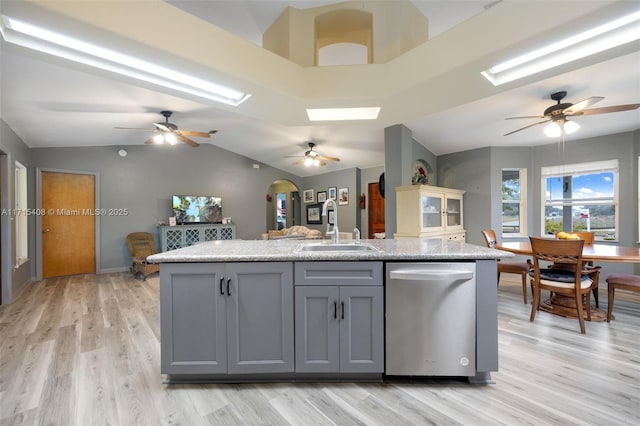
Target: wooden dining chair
(521,268)
(588,267)
(623,282)
(561,281)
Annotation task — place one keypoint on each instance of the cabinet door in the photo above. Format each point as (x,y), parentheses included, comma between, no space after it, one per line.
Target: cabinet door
(260,317)
(361,329)
(193,319)
(192,236)
(454,213)
(172,239)
(317,329)
(432,211)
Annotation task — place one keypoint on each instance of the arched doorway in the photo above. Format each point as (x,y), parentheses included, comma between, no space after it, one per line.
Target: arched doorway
(283,205)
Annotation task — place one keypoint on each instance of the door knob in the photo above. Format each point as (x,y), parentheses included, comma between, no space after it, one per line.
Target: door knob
(44,231)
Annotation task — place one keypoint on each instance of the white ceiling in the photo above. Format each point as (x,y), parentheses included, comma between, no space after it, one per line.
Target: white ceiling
(50,102)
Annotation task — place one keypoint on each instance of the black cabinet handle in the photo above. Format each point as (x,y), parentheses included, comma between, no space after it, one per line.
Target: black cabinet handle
(221,289)
(335,310)
(228,290)
(342,310)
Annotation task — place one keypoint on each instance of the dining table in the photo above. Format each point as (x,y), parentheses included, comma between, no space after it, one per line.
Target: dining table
(597,253)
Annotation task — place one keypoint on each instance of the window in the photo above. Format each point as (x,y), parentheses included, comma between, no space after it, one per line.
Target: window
(20,215)
(514,208)
(581,197)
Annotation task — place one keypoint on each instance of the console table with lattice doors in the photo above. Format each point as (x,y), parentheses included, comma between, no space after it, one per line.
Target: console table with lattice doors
(175,237)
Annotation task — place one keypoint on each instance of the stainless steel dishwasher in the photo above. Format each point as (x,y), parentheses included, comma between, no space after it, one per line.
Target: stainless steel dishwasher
(430,319)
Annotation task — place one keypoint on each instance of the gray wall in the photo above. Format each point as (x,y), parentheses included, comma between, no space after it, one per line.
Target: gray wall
(145,179)
(471,172)
(12,149)
(348,214)
(401,151)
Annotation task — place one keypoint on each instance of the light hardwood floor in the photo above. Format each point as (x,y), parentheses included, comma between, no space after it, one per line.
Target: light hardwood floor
(85,350)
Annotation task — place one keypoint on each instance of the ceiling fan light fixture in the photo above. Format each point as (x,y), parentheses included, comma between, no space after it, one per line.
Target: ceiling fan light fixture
(37,38)
(343,114)
(557,127)
(158,138)
(570,127)
(552,129)
(316,162)
(171,138)
(308,161)
(595,40)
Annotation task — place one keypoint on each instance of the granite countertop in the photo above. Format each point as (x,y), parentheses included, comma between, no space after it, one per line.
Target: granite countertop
(289,250)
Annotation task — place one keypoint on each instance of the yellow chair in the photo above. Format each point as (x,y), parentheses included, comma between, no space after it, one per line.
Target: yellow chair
(141,245)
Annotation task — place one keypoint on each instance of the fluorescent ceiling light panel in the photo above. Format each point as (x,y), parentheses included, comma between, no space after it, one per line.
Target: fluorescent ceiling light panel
(595,40)
(43,40)
(339,114)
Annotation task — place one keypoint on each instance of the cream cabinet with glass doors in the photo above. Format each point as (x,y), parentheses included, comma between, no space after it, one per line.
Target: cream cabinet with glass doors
(429,211)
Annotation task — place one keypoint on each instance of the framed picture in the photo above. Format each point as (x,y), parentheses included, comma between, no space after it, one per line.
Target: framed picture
(331,217)
(322,196)
(314,216)
(343,196)
(307,196)
(332,192)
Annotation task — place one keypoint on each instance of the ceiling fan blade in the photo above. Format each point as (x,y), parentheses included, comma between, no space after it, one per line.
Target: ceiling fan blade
(300,161)
(526,127)
(581,105)
(322,157)
(187,141)
(192,133)
(161,126)
(526,116)
(149,141)
(605,110)
(322,163)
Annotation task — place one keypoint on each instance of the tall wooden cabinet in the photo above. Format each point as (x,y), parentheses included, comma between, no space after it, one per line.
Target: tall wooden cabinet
(429,211)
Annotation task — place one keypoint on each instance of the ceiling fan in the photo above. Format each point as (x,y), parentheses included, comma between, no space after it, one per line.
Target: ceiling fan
(556,115)
(312,158)
(169,132)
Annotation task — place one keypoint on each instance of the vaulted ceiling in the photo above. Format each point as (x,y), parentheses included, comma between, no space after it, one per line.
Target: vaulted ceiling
(434,89)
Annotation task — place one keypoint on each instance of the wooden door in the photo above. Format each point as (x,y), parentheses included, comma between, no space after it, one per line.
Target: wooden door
(376,210)
(68,227)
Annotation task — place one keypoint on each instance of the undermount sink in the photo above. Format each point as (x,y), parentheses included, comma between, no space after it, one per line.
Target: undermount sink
(337,247)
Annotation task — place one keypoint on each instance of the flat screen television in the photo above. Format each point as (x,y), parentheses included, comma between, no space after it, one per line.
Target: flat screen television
(197,209)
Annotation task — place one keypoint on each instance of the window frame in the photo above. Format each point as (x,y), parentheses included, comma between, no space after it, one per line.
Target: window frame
(522,173)
(577,169)
(20,215)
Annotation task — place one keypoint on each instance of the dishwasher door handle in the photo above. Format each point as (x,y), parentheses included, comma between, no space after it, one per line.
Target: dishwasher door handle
(430,275)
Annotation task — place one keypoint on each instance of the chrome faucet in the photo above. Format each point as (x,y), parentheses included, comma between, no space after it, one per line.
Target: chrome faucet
(335,234)
(356,231)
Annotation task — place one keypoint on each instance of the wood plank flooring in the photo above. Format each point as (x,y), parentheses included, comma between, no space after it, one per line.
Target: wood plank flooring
(85,350)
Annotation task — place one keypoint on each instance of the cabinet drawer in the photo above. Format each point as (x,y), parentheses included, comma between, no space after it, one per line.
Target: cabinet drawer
(338,273)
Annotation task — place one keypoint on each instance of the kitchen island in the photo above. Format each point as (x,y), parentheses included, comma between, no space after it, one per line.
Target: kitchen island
(303,310)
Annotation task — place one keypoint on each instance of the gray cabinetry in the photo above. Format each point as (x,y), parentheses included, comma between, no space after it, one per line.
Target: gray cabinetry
(175,237)
(234,318)
(339,317)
